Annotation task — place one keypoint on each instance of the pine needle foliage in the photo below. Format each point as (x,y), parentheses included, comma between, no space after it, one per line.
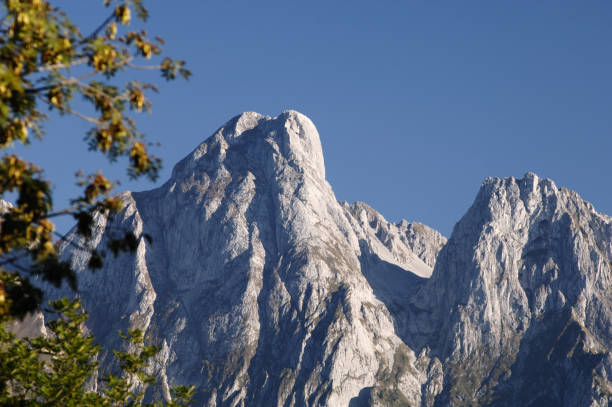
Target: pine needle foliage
(60,368)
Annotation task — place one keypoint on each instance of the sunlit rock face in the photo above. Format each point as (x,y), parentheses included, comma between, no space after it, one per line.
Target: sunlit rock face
(261,289)
(519,303)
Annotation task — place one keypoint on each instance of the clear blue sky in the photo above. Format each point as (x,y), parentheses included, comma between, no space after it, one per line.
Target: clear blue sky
(416,102)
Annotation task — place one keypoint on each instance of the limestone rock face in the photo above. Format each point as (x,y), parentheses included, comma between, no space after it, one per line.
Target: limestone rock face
(519,301)
(32,325)
(263,290)
(253,283)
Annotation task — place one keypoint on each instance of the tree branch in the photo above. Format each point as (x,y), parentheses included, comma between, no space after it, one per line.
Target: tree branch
(66,211)
(147,67)
(82,116)
(97,30)
(62,65)
(19,267)
(77,80)
(62,238)
(11,260)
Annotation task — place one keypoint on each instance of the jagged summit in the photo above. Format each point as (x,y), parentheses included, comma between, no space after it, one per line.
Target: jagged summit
(291,136)
(531,193)
(525,273)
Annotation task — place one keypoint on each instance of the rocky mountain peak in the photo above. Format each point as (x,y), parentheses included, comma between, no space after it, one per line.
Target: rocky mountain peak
(527,261)
(290,137)
(258,284)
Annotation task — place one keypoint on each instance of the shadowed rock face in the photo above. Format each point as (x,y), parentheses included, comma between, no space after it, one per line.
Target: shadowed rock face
(262,289)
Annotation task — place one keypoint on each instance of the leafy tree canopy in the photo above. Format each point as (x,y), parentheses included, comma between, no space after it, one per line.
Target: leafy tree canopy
(45,62)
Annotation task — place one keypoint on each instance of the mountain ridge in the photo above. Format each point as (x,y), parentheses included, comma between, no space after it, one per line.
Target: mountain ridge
(261,288)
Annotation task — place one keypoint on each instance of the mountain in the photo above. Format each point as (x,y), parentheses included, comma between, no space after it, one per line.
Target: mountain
(262,289)
(525,312)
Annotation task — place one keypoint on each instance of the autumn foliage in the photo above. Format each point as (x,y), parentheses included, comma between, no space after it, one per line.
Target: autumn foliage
(46,63)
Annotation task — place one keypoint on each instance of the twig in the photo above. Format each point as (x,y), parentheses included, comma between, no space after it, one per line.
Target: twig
(13,259)
(97,30)
(77,80)
(82,116)
(20,267)
(62,238)
(148,67)
(62,65)
(63,212)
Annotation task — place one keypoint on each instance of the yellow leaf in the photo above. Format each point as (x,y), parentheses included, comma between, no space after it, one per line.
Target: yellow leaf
(123,14)
(112,30)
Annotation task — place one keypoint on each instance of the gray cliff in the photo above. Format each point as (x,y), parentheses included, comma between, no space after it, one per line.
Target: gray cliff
(526,314)
(263,290)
